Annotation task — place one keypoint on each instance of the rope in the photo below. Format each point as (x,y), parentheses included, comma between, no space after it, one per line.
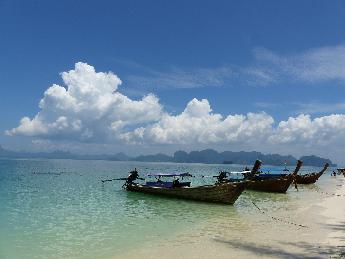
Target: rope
(278,219)
(332,194)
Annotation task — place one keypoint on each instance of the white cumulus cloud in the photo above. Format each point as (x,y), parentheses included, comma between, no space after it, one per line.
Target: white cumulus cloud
(303,129)
(197,124)
(89,107)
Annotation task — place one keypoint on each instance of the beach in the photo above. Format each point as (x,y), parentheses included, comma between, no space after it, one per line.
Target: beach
(312,227)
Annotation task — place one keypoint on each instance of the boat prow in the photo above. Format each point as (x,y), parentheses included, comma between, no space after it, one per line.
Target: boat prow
(311,177)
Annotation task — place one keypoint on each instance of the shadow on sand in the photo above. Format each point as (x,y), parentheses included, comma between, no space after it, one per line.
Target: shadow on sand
(308,250)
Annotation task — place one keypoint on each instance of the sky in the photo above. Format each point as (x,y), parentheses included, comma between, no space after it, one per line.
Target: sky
(158,76)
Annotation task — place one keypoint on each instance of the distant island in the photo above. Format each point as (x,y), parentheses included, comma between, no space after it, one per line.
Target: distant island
(207,156)
(210,156)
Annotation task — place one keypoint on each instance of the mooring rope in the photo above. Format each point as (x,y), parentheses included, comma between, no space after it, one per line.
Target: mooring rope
(332,194)
(278,219)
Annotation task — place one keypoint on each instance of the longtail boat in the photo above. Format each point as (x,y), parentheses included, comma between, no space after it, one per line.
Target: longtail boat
(311,177)
(220,192)
(224,193)
(272,182)
(340,171)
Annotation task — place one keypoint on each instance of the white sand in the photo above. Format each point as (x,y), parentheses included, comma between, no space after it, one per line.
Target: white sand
(335,216)
(257,235)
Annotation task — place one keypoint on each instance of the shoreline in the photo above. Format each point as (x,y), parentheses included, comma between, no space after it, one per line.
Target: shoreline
(256,235)
(335,222)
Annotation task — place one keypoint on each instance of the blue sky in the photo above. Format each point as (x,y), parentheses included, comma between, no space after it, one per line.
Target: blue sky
(284,58)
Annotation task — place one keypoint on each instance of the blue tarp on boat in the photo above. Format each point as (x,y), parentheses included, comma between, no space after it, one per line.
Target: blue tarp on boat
(167,184)
(159,184)
(169,175)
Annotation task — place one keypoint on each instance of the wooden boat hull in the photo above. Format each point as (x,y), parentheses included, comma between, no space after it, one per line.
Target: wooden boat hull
(279,185)
(226,193)
(307,178)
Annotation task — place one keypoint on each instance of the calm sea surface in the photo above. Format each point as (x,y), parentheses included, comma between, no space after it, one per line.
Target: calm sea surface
(61,209)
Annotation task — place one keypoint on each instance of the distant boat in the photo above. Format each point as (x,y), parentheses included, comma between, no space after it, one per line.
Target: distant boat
(299,178)
(273,182)
(311,177)
(341,170)
(220,192)
(270,182)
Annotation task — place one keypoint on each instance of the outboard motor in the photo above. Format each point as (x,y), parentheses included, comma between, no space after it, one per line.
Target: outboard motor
(222,177)
(133,175)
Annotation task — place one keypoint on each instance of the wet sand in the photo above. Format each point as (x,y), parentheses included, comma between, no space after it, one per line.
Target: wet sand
(308,223)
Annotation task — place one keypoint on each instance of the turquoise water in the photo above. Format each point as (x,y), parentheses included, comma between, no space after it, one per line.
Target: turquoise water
(60,208)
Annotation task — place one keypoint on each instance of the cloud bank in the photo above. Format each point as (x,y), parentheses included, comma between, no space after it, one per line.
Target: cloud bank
(90,109)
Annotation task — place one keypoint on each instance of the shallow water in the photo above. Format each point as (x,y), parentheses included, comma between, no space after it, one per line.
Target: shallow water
(60,208)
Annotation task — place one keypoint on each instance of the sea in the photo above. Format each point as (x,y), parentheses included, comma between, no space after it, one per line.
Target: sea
(62,209)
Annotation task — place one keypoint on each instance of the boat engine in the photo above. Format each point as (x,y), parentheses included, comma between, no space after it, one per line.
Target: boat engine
(133,175)
(222,177)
